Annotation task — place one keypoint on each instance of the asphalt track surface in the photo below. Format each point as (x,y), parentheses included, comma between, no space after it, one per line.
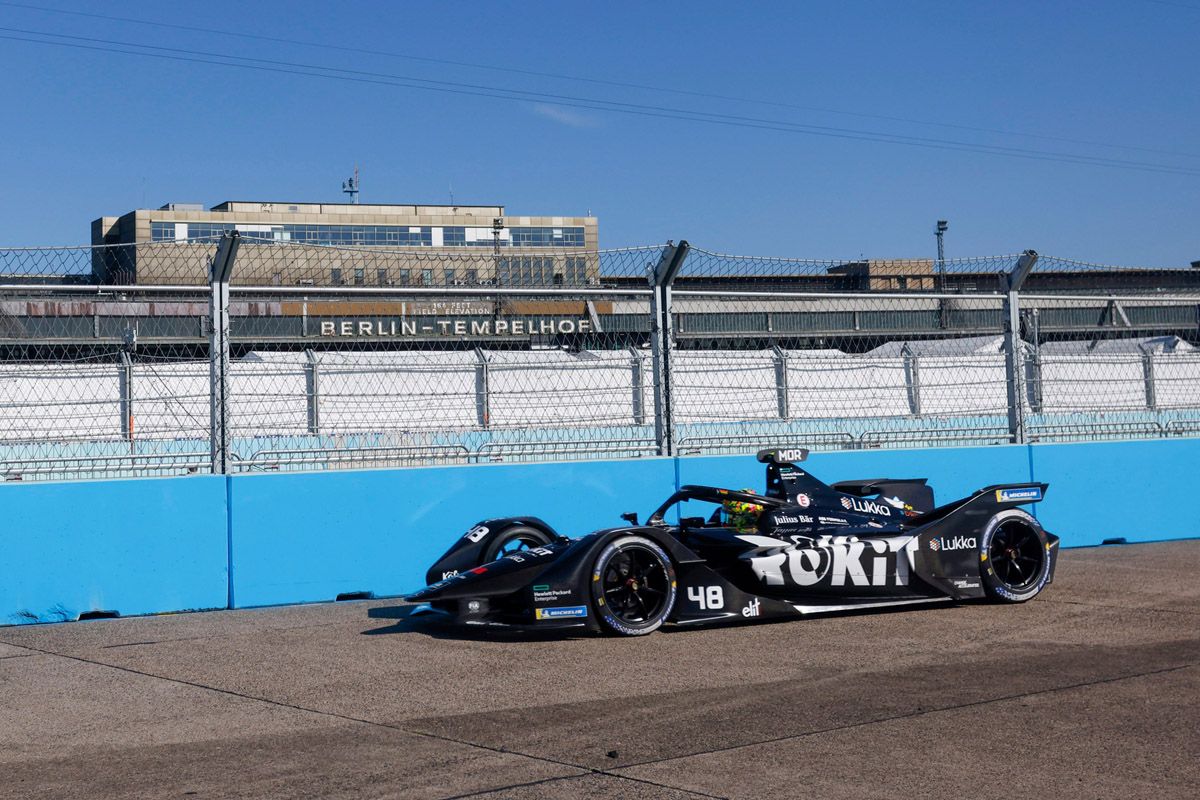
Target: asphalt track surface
(1091,690)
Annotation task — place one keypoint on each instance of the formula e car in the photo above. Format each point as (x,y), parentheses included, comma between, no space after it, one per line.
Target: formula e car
(708,555)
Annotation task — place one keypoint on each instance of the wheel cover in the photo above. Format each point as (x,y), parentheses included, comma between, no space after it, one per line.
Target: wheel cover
(1017,556)
(635,584)
(517,544)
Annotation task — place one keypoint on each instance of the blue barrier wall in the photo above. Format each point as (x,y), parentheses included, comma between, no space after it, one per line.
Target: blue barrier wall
(1138,490)
(132,546)
(306,537)
(155,545)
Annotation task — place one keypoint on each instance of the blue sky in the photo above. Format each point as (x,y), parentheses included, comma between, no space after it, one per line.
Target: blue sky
(89,132)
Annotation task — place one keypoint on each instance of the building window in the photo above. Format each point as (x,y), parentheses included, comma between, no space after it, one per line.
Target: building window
(381,277)
(427,277)
(576,271)
(336,276)
(459,236)
(360,276)
(354,235)
(277,279)
(405,277)
(449,277)
(374,235)
(472,276)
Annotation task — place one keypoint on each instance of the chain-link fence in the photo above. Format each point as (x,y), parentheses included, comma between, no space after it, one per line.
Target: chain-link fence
(131,360)
(80,396)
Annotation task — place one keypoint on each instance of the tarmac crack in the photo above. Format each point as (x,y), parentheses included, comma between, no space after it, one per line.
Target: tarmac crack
(31,651)
(584,771)
(912,715)
(1123,608)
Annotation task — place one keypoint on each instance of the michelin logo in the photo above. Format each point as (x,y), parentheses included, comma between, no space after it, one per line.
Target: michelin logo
(561,612)
(1019,495)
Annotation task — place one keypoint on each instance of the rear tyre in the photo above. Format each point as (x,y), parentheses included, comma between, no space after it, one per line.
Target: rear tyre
(514,540)
(633,586)
(1015,558)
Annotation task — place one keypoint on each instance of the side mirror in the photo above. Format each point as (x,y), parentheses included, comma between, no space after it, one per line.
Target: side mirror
(691,522)
(630,517)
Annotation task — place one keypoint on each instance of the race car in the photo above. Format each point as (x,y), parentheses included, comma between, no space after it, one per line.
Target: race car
(710,555)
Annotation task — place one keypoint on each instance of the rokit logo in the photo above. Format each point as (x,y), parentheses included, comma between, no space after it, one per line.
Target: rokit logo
(840,561)
(866,506)
(957,543)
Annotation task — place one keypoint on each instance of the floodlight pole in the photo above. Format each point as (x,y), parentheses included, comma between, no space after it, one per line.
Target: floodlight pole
(939,231)
(1014,362)
(661,277)
(219,274)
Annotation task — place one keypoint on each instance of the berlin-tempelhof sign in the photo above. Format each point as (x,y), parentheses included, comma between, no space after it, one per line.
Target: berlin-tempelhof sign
(398,328)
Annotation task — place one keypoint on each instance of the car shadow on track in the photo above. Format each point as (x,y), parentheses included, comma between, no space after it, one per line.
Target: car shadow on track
(437,627)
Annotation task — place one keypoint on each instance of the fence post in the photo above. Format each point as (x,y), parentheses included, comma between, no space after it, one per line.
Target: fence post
(1014,359)
(312,390)
(483,410)
(661,337)
(781,381)
(638,380)
(125,382)
(1148,376)
(221,270)
(912,374)
(1033,364)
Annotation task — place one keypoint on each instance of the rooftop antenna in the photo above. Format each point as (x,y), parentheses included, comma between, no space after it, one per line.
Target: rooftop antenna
(350,186)
(451,194)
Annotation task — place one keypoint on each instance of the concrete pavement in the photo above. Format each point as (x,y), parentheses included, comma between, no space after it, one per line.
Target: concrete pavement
(1089,691)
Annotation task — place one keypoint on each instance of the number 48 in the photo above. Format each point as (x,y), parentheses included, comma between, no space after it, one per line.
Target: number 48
(707,597)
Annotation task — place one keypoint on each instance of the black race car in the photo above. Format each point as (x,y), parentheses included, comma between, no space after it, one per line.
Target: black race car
(708,555)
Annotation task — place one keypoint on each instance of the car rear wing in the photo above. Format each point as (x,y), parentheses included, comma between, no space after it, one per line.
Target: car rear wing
(1001,495)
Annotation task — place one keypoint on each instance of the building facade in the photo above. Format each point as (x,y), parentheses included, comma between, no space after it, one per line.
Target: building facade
(349,244)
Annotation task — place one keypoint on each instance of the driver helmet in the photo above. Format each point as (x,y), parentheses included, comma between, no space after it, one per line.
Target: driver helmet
(742,515)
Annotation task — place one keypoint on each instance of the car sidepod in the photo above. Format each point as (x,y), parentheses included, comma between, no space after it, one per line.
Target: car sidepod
(952,545)
(704,596)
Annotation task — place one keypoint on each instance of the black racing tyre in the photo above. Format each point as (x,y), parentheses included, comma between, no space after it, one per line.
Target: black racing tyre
(1015,558)
(633,586)
(514,540)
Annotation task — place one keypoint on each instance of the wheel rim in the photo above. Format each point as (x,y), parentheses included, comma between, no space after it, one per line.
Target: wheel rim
(1017,556)
(635,585)
(517,544)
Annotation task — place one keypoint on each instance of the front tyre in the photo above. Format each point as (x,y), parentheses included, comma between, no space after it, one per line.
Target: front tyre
(633,586)
(515,540)
(1015,557)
